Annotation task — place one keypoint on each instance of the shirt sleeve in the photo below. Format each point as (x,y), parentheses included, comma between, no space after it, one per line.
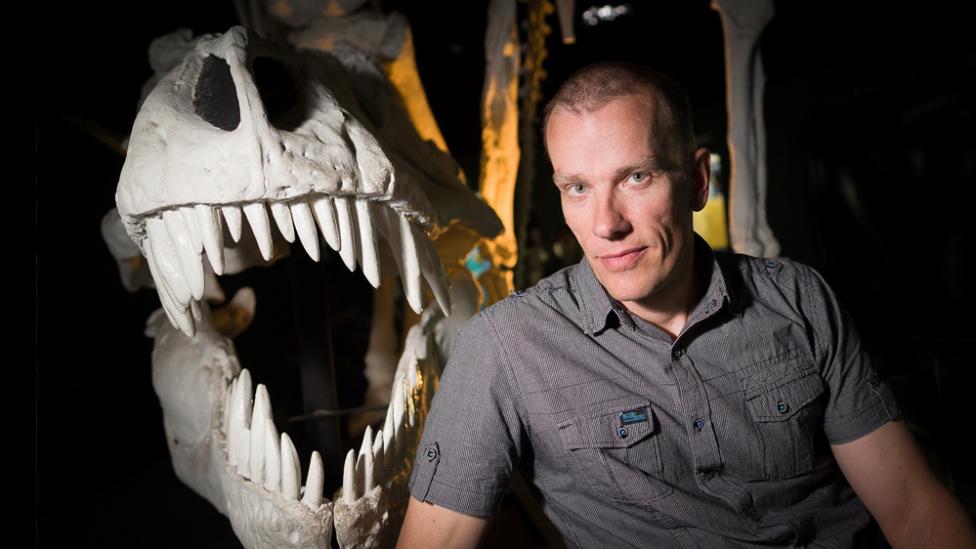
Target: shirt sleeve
(473,433)
(858,402)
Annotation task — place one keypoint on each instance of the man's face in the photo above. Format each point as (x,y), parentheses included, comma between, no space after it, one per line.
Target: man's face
(632,219)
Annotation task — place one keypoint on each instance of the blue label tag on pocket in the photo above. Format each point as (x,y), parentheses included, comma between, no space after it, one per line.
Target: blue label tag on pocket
(631,417)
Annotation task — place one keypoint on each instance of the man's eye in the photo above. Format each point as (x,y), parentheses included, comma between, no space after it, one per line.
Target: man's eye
(639,177)
(576,189)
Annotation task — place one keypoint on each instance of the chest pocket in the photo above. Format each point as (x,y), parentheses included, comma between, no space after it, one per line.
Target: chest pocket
(615,449)
(787,414)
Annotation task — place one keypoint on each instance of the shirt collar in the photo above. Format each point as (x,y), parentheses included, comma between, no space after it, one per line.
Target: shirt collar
(599,309)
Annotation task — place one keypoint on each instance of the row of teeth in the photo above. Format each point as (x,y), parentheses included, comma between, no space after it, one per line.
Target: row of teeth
(177,238)
(257,453)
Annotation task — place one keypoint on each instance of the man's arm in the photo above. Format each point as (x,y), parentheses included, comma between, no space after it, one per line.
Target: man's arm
(428,525)
(891,477)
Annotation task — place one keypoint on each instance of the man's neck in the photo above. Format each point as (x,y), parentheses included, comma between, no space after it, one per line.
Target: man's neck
(670,307)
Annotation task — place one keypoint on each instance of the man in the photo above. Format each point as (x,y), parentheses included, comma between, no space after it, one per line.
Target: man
(658,394)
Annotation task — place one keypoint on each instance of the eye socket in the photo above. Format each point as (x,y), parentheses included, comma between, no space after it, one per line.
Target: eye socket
(215,95)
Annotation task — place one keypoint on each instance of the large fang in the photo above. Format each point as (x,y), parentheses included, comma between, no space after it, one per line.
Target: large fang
(370,260)
(313,484)
(212,235)
(193,226)
(232,214)
(261,413)
(186,254)
(348,232)
(433,272)
(164,253)
(325,215)
(301,214)
(176,313)
(282,219)
(291,473)
(411,264)
(349,478)
(272,457)
(257,218)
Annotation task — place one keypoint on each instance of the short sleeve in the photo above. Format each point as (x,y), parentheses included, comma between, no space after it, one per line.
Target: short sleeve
(858,401)
(473,433)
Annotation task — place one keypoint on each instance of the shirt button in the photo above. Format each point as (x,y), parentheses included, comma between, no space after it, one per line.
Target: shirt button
(622,432)
(782,407)
(430,453)
(699,424)
(772,263)
(709,475)
(678,353)
(753,515)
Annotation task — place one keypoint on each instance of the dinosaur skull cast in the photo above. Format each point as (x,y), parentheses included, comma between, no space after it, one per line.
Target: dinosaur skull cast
(241,127)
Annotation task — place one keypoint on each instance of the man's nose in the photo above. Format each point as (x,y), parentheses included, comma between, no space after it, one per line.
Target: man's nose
(610,222)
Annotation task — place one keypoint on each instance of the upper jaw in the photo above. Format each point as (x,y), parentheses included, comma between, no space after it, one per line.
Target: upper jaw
(206,153)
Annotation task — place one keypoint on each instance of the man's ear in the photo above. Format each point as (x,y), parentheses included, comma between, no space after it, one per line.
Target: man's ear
(700,173)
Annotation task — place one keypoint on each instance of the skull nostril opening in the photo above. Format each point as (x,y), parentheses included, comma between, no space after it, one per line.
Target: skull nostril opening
(282,99)
(215,96)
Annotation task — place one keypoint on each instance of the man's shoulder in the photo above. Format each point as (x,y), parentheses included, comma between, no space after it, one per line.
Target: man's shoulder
(765,273)
(554,294)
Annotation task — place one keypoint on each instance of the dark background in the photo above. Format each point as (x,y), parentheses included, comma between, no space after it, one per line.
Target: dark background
(872,162)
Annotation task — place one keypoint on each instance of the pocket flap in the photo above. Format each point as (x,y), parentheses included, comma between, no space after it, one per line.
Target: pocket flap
(621,426)
(782,401)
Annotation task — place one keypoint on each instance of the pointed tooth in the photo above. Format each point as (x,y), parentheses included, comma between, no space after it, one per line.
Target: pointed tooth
(193,227)
(348,231)
(397,403)
(272,457)
(212,235)
(257,218)
(291,471)
(368,472)
(301,214)
(232,215)
(243,453)
(189,222)
(433,271)
(378,462)
(313,483)
(349,492)
(282,217)
(369,258)
(259,417)
(390,229)
(240,413)
(367,440)
(388,431)
(411,265)
(167,264)
(325,216)
(176,313)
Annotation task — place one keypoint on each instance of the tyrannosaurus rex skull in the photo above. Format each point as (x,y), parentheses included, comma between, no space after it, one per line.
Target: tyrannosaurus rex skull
(240,127)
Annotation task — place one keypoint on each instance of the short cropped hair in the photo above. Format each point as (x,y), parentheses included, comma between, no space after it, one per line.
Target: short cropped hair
(594,86)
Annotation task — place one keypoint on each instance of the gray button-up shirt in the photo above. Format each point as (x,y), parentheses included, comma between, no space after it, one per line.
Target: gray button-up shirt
(717,439)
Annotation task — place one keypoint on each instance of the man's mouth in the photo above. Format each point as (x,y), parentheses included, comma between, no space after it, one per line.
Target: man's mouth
(621,261)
